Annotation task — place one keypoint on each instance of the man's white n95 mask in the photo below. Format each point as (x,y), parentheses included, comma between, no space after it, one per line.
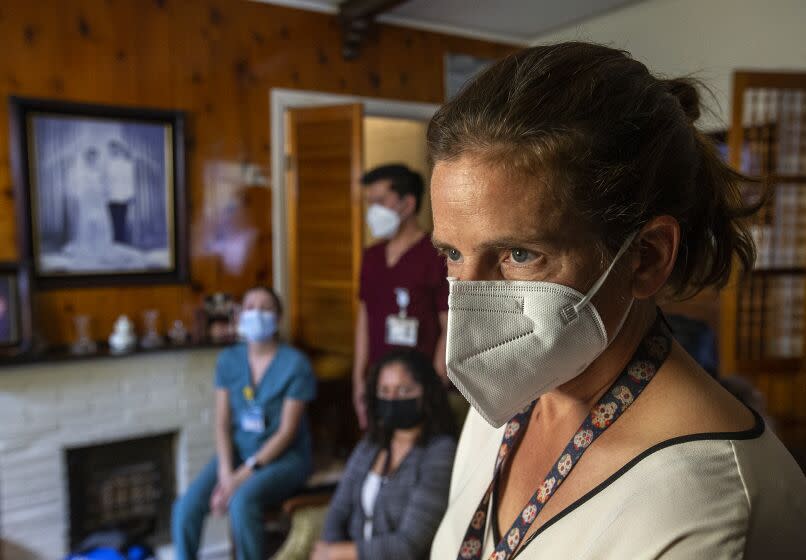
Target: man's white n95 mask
(510,342)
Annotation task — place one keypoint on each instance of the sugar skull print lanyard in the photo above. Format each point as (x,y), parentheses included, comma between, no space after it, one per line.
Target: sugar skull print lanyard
(646,361)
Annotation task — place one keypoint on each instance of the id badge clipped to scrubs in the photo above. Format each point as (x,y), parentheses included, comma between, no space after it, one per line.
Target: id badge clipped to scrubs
(400,329)
(252,419)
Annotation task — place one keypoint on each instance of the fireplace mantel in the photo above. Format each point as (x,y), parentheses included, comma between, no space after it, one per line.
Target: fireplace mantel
(11,364)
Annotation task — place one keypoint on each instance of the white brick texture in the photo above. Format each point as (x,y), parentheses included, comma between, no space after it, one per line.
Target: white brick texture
(48,408)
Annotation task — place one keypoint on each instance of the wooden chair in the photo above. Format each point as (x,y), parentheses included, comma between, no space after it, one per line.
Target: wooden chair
(310,496)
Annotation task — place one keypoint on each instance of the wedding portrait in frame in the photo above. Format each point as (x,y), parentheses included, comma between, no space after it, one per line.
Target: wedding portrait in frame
(100,192)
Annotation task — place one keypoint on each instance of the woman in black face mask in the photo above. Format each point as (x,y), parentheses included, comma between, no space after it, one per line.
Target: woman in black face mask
(395,487)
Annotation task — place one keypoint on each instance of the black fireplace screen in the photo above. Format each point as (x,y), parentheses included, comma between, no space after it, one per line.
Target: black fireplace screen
(125,485)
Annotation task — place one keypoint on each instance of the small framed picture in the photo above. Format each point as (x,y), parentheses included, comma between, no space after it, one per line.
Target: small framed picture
(100,192)
(460,69)
(15,309)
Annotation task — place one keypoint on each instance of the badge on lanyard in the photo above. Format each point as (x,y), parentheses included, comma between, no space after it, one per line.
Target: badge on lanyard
(401,330)
(252,419)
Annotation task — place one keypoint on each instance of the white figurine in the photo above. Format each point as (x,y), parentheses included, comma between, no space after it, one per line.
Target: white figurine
(122,338)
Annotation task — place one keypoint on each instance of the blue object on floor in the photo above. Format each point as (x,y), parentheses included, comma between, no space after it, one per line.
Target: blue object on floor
(138,552)
(135,552)
(98,554)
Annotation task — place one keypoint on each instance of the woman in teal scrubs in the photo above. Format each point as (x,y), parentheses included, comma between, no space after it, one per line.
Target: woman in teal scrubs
(262,436)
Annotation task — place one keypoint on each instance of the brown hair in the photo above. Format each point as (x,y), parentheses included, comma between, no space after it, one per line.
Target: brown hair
(617,144)
(278,305)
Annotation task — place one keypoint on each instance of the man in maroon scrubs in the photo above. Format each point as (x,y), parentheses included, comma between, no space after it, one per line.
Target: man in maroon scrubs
(404,289)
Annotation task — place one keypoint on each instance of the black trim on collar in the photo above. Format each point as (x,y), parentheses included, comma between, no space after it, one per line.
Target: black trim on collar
(756,431)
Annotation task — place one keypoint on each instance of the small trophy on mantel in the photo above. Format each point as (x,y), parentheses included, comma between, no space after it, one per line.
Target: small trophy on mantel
(123,338)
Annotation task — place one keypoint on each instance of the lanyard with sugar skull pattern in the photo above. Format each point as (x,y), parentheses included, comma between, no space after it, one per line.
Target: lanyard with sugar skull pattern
(646,361)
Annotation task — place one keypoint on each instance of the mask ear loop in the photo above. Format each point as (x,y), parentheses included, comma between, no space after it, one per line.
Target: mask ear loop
(571,312)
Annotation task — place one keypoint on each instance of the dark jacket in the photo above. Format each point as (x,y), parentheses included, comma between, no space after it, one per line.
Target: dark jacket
(409,507)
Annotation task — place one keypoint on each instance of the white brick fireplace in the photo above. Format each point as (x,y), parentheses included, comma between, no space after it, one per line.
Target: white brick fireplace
(47,408)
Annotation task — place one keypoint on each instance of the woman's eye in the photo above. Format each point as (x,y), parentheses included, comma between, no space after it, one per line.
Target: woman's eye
(519,255)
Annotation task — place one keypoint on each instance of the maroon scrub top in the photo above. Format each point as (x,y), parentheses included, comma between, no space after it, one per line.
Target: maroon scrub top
(423,272)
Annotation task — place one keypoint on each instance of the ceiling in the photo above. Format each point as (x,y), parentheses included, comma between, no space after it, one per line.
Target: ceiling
(510,21)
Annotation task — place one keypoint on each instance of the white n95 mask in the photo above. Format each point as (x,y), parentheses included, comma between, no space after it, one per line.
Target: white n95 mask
(383,222)
(510,342)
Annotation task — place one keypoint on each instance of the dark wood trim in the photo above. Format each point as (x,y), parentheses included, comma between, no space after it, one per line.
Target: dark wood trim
(754,367)
(793,271)
(357,18)
(777,178)
(745,79)
(19,108)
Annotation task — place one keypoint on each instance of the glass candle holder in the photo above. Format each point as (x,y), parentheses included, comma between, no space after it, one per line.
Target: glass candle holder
(83,343)
(151,336)
(178,334)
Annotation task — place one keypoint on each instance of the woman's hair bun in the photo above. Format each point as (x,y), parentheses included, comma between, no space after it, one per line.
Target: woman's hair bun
(685,90)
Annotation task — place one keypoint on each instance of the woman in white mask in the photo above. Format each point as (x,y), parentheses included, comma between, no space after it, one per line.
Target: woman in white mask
(571,192)
(262,438)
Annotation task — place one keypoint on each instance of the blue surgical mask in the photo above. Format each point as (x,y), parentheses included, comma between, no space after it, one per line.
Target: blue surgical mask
(256,325)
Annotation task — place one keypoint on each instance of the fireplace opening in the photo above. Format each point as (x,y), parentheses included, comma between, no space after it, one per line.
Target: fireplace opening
(125,485)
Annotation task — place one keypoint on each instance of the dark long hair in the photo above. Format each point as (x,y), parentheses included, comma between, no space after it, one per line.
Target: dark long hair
(278,304)
(437,416)
(618,146)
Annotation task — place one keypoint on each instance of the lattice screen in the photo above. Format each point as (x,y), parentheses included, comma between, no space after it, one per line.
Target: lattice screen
(770,306)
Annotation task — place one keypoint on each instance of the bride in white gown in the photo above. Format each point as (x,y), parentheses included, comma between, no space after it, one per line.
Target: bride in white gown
(92,246)
(93,180)
(87,187)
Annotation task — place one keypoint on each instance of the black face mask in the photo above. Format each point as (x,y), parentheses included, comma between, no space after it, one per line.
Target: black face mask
(399,414)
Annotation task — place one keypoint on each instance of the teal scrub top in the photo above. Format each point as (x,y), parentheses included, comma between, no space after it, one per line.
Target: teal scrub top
(288,376)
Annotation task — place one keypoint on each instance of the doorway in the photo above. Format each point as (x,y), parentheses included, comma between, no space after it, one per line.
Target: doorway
(398,140)
(322,144)
(382,118)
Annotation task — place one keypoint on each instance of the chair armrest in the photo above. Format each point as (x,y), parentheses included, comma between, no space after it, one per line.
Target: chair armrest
(303,501)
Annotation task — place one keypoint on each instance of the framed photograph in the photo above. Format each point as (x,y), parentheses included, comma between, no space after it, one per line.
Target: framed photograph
(100,192)
(460,69)
(15,309)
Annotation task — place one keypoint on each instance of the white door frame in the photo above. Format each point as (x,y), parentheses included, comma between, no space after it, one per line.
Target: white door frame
(281,100)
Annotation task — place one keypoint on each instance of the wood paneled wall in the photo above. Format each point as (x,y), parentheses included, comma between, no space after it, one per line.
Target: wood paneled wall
(217,60)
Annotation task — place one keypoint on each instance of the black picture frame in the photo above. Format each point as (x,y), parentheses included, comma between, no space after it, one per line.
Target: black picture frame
(87,179)
(16,330)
